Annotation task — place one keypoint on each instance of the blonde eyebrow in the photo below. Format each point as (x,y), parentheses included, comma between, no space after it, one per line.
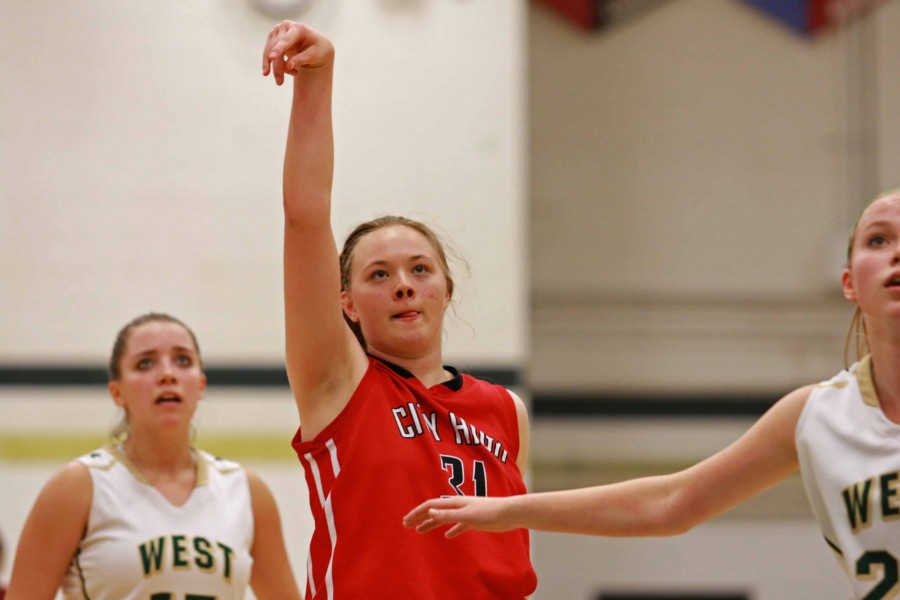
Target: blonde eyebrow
(381,262)
(877,224)
(153,351)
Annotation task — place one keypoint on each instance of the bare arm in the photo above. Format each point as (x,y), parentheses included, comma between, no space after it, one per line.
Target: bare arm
(324,360)
(650,506)
(271,578)
(524,432)
(51,534)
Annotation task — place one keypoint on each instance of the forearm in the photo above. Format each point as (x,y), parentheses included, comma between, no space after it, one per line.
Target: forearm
(309,155)
(640,507)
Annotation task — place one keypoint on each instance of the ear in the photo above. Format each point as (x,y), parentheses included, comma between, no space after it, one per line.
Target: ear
(847,285)
(202,386)
(348,307)
(115,391)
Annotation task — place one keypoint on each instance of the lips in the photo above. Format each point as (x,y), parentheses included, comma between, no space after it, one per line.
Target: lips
(169,398)
(409,314)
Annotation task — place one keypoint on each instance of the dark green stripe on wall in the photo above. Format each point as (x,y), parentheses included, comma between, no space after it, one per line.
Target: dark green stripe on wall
(68,376)
(544,404)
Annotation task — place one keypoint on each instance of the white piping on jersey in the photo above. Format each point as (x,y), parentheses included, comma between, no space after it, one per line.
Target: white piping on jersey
(309,574)
(329,518)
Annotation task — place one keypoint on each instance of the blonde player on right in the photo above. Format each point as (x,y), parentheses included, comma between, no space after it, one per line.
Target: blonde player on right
(842,434)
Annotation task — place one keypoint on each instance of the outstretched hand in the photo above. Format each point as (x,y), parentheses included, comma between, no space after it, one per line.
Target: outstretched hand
(464,513)
(291,47)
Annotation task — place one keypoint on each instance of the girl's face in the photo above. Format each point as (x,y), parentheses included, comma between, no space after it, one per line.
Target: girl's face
(161,379)
(398,292)
(872,276)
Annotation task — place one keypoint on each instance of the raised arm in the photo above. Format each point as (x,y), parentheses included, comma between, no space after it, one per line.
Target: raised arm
(51,534)
(324,360)
(649,506)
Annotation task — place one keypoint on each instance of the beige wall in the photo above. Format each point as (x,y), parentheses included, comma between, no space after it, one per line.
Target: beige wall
(141,159)
(694,176)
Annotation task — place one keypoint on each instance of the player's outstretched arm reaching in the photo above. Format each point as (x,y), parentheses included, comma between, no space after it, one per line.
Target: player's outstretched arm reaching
(650,506)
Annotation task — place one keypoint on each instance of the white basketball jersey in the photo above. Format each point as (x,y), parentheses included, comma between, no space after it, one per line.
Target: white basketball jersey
(140,546)
(850,463)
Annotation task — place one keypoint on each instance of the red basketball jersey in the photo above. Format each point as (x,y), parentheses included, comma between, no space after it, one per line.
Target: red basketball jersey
(395,445)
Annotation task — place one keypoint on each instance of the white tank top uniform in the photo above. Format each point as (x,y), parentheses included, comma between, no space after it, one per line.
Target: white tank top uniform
(849,455)
(139,546)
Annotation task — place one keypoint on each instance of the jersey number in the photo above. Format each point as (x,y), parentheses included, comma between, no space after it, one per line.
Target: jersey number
(889,578)
(168,596)
(457,470)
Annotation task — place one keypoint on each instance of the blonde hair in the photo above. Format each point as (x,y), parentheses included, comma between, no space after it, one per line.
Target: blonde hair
(856,335)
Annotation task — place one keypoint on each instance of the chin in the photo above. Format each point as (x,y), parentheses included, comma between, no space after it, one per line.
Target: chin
(406,347)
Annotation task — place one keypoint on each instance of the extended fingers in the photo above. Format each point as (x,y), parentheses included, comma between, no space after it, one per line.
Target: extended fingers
(435,518)
(427,525)
(456,530)
(267,50)
(426,510)
(281,45)
(414,517)
(275,42)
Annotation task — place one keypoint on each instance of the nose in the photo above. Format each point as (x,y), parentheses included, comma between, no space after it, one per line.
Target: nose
(403,289)
(166,371)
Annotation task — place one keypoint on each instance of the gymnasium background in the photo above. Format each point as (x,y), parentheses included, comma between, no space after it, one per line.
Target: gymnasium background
(653,209)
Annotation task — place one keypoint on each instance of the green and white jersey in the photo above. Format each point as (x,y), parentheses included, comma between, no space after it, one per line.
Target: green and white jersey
(849,455)
(139,546)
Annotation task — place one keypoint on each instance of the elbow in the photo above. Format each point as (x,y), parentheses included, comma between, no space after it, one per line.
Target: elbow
(302,211)
(294,216)
(665,509)
(678,515)
(675,527)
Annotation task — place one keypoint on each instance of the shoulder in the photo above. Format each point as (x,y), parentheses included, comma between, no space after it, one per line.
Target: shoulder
(521,409)
(74,476)
(780,422)
(68,493)
(256,484)
(261,498)
(790,406)
(524,429)
(796,399)
(784,417)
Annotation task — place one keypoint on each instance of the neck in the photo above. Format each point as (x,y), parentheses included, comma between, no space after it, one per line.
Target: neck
(429,368)
(171,454)
(886,374)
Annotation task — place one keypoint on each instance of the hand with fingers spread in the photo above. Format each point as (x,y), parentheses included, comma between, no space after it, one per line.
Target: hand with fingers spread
(465,513)
(291,47)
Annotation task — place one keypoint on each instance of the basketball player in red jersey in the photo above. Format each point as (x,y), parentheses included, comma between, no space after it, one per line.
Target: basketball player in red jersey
(384,423)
